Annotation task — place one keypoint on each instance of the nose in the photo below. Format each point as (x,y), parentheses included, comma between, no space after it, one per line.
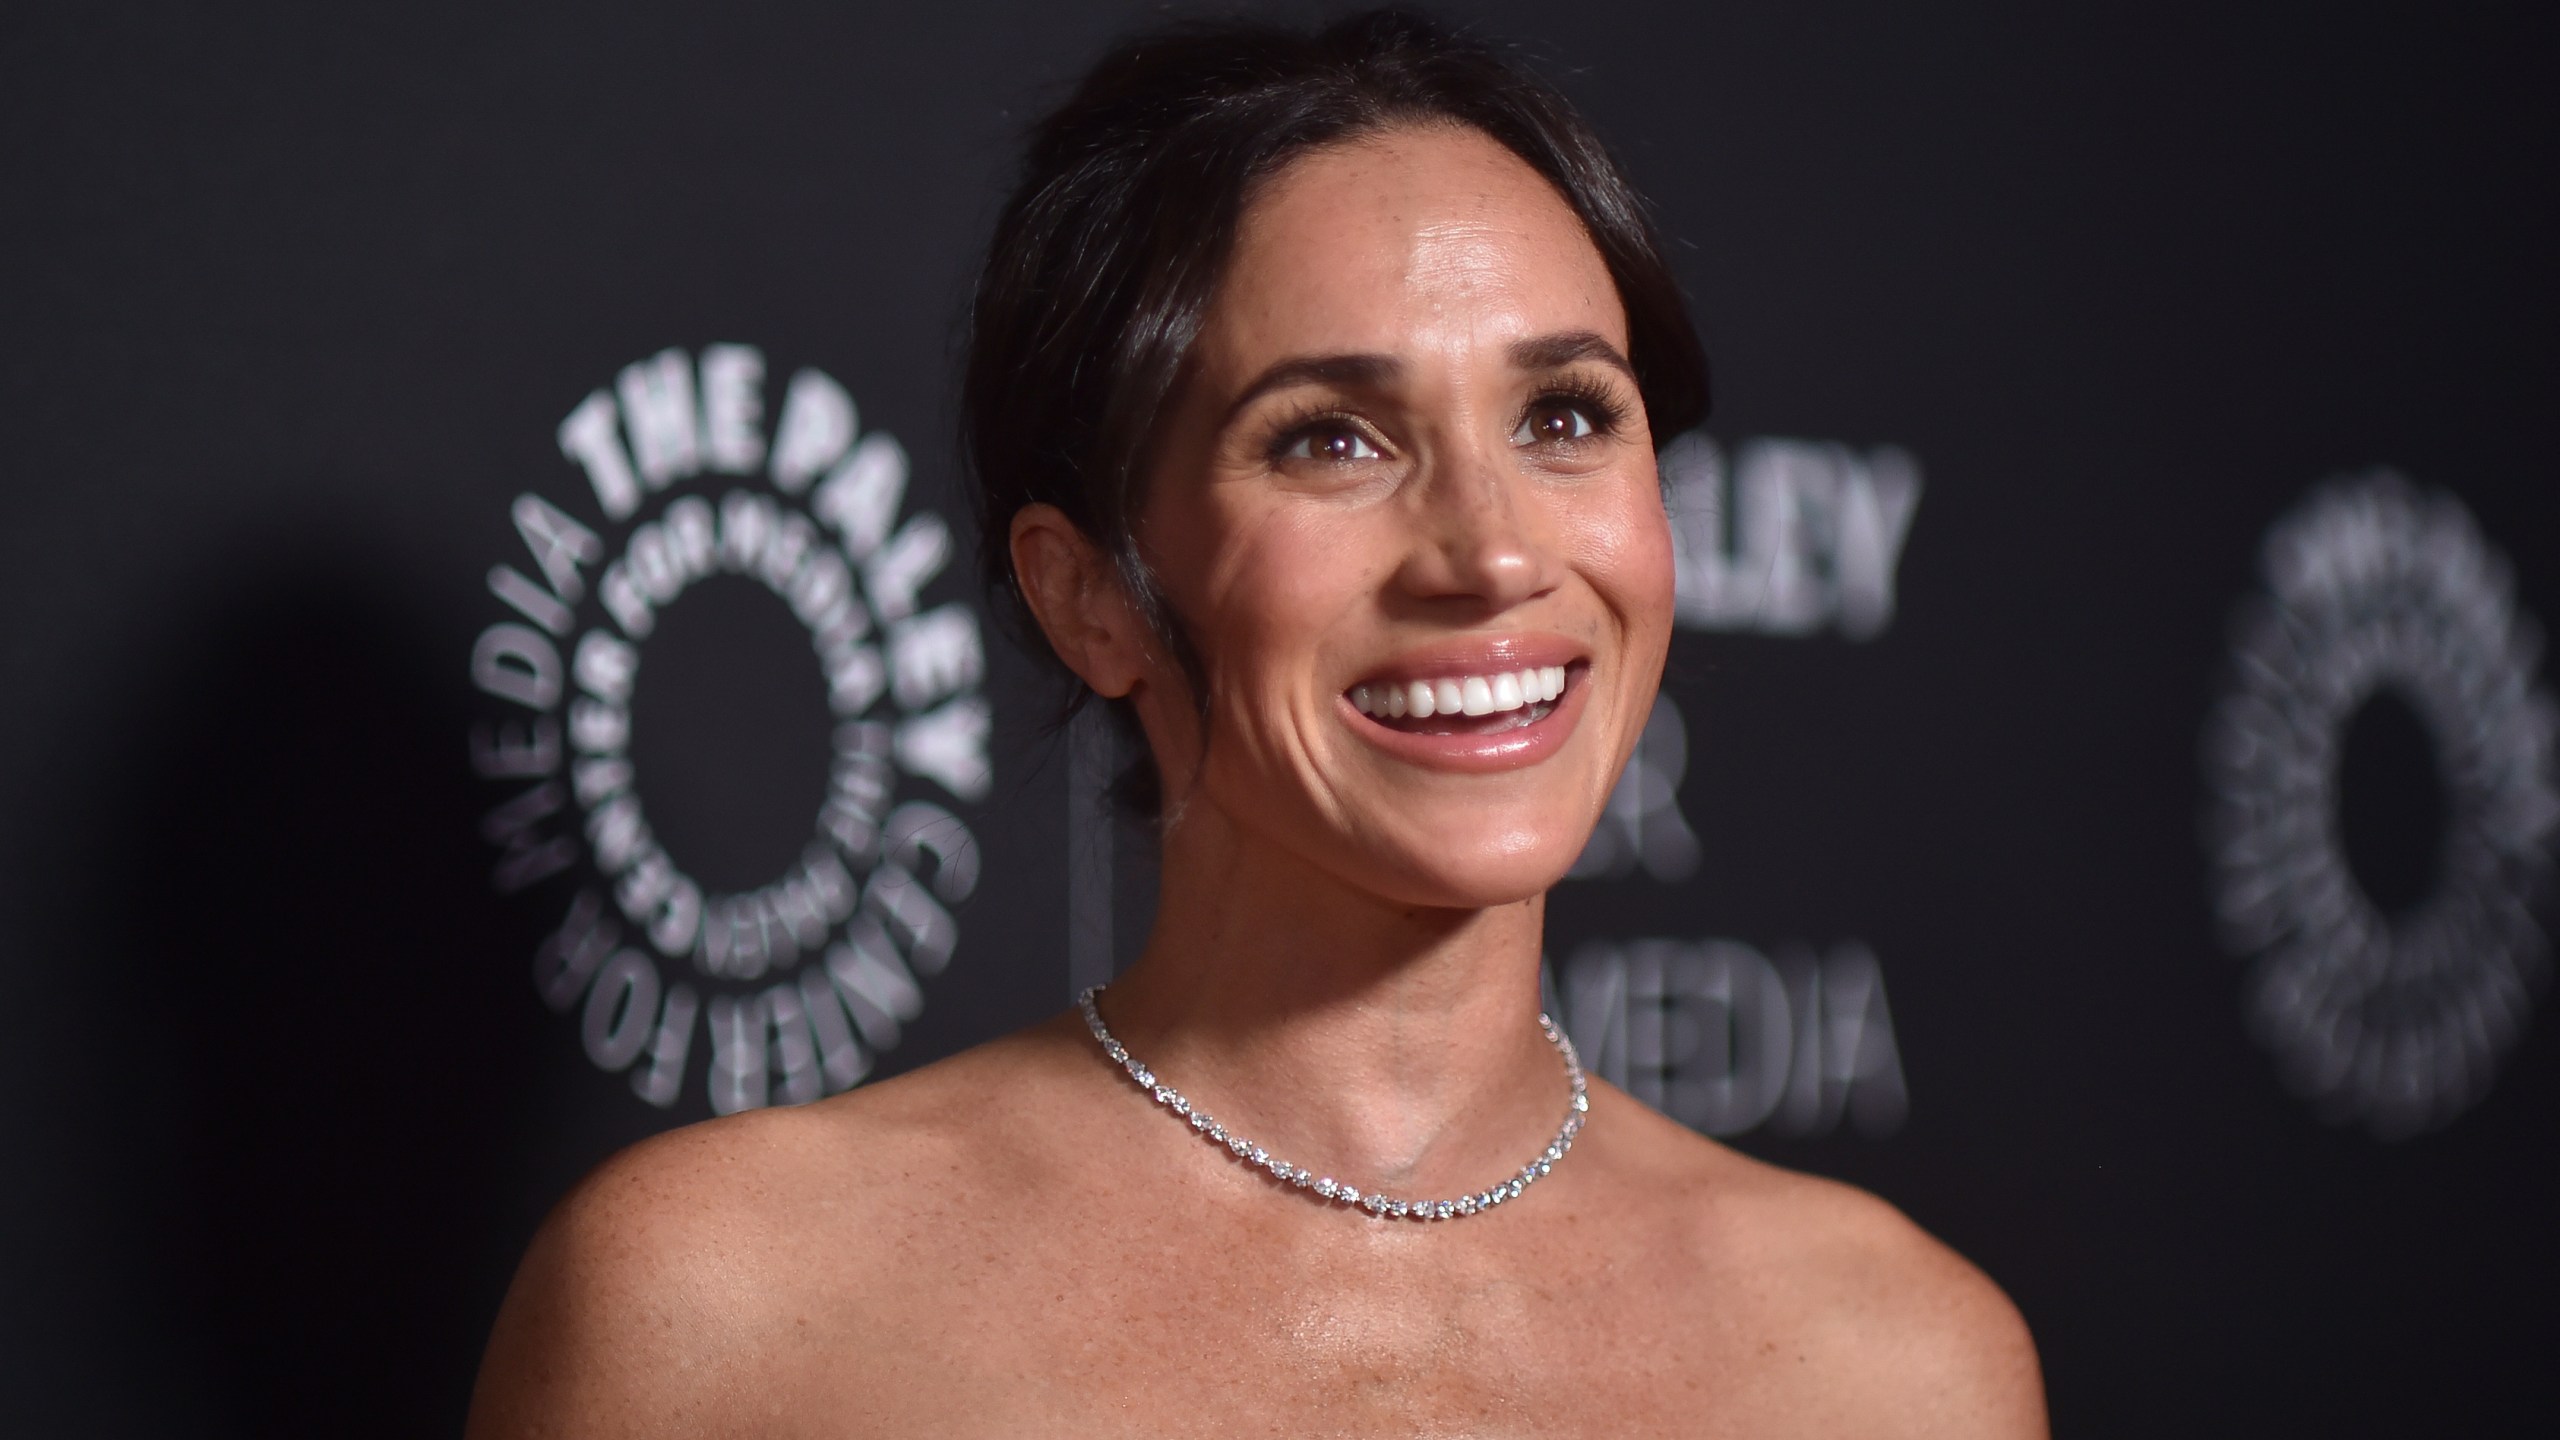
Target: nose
(1481,538)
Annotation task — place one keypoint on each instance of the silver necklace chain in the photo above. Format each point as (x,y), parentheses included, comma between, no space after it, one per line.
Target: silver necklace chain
(1326,1187)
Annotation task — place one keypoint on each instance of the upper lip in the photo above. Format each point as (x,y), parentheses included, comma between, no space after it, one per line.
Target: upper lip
(1464,655)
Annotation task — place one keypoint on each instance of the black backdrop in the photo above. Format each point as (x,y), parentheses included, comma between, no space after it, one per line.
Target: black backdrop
(297,302)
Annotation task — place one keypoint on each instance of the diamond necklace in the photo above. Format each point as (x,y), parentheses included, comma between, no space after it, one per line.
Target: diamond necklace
(1327,1188)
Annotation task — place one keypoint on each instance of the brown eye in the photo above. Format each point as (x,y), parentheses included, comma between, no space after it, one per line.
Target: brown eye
(1332,444)
(1552,421)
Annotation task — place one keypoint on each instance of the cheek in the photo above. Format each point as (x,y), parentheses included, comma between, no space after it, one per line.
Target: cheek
(1275,588)
(1622,544)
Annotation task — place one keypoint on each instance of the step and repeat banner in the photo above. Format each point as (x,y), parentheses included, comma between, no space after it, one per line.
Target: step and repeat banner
(495,668)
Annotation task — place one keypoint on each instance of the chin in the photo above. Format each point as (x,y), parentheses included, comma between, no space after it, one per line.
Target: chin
(1478,871)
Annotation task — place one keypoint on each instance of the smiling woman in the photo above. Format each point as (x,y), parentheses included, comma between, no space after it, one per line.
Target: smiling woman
(1314,393)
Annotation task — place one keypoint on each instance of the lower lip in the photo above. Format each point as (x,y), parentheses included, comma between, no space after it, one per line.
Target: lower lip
(1480,754)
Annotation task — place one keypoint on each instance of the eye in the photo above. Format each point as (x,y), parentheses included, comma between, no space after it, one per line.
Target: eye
(1332,444)
(1551,422)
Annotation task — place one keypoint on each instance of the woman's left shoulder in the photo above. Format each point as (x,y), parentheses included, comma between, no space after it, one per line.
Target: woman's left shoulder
(1924,1330)
(1894,1321)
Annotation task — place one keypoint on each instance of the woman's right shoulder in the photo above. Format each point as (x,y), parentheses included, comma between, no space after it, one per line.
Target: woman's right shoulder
(696,1272)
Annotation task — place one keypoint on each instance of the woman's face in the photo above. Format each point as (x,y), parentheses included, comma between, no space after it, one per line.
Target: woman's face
(1406,507)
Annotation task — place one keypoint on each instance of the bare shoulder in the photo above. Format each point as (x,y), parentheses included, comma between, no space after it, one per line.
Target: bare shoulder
(1934,1344)
(1905,1335)
(694,1277)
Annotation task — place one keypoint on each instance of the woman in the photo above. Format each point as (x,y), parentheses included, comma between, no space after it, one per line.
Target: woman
(1313,397)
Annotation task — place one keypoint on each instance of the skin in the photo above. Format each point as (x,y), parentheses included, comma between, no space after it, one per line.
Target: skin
(1015,1241)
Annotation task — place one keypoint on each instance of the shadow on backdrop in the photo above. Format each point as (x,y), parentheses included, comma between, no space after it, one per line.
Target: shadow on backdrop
(329,1075)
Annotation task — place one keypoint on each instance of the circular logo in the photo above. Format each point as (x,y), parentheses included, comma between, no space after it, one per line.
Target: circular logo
(2388,993)
(799,981)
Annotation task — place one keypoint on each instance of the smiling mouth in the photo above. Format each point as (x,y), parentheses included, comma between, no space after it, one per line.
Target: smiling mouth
(1485,704)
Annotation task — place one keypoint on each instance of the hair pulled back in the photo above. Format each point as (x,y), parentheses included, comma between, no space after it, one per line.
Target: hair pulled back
(1106,258)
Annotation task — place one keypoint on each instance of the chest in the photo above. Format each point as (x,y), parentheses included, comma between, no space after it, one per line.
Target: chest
(1173,1329)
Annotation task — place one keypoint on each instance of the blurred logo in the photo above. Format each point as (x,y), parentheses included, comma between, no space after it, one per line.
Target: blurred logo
(1725,1039)
(800,981)
(1800,535)
(2394,956)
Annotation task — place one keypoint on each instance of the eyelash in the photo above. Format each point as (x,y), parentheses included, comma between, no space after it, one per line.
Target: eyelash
(1599,404)
(1291,429)
(1606,412)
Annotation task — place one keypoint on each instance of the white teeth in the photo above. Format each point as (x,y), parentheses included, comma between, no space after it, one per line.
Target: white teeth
(1461,694)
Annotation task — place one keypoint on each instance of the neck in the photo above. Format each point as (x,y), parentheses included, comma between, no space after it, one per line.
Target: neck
(1397,1044)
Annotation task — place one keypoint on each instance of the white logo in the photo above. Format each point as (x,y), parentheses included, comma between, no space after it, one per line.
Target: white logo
(1808,534)
(2394,1020)
(812,974)
(1723,1039)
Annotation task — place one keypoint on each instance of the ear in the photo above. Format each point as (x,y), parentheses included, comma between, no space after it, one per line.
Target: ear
(1077,595)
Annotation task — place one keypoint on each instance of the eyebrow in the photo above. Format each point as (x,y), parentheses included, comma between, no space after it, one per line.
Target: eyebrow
(1352,372)
(1360,371)
(1554,352)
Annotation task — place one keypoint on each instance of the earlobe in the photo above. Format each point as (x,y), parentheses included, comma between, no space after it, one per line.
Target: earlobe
(1076,594)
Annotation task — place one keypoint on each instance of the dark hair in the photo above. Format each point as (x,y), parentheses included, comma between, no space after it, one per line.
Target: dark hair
(1106,257)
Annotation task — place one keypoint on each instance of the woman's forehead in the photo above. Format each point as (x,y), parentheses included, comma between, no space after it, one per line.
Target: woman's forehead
(1414,239)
